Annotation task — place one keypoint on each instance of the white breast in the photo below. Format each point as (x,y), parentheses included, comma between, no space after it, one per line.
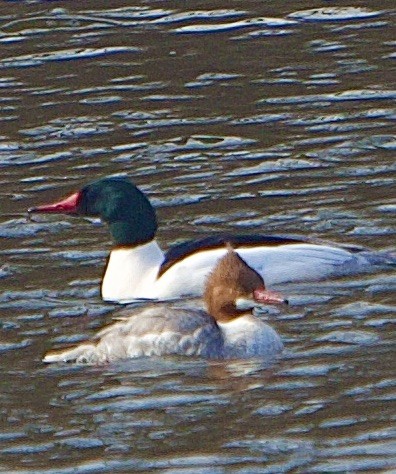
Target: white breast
(248,336)
(131,272)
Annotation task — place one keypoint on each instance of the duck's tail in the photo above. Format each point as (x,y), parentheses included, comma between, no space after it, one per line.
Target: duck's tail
(379,257)
(83,354)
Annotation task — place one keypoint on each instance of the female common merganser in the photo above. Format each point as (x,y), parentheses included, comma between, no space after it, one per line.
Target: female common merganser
(228,330)
(137,267)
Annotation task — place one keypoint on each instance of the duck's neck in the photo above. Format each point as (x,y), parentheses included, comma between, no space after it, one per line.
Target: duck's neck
(219,303)
(131,272)
(133,232)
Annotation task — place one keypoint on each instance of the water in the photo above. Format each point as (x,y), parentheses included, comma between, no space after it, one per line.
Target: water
(265,117)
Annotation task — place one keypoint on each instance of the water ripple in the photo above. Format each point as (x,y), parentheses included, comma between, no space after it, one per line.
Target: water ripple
(38,59)
(236,25)
(335,14)
(363,94)
(350,337)
(199,15)
(147,403)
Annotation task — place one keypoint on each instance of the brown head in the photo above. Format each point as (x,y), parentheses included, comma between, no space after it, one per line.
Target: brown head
(233,289)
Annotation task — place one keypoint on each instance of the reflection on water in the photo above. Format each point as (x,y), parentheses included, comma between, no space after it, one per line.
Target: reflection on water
(263,117)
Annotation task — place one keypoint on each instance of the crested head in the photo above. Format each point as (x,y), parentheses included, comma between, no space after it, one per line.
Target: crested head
(117,202)
(235,274)
(233,289)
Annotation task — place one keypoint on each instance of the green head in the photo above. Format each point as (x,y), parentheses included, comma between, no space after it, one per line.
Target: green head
(118,202)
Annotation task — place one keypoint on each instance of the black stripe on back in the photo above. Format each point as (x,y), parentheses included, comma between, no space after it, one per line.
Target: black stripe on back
(181,251)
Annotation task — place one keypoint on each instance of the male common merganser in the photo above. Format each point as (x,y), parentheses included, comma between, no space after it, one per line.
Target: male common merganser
(137,267)
(228,330)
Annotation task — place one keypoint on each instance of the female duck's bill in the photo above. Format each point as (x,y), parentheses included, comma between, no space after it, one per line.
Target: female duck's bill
(137,267)
(228,329)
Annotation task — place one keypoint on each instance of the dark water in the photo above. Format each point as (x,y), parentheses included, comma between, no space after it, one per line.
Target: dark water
(232,116)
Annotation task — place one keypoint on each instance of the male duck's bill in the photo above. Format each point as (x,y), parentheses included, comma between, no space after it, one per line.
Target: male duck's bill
(228,329)
(137,267)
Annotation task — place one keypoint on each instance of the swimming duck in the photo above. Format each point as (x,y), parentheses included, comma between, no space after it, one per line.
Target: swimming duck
(137,268)
(228,329)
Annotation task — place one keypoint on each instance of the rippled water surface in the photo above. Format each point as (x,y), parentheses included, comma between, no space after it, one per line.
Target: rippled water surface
(275,117)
